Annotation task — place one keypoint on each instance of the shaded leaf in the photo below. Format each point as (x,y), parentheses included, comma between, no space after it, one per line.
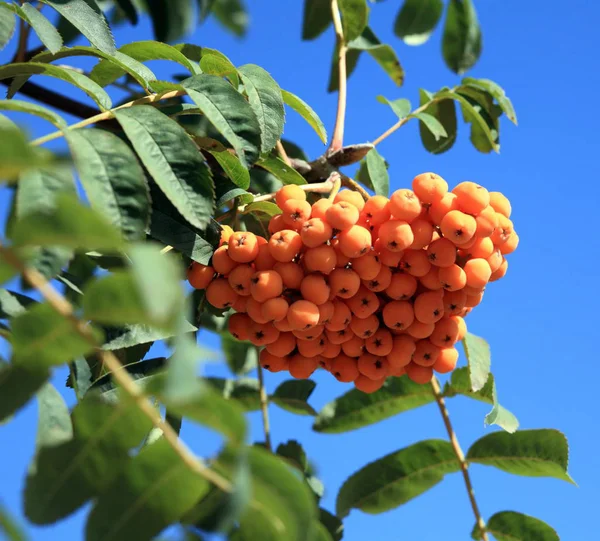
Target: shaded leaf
(284,172)
(19,384)
(435,127)
(445,112)
(293,395)
(461,42)
(233,168)
(33,109)
(129,10)
(497,92)
(293,451)
(262,207)
(513,526)
(306,112)
(334,525)
(378,174)
(232,15)
(478,355)
(316,18)
(241,357)
(355,16)
(400,106)
(171,20)
(244,390)
(417,20)
(8,24)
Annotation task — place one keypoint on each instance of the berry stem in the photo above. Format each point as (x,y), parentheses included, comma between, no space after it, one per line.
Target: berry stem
(337,184)
(353,185)
(282,153)
(337,140)
(121,377)
(437,393)
(264,407)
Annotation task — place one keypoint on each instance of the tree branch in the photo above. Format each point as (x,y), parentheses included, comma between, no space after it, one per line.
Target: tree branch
(437,393)
(337,140)
(264,407)
(283,154)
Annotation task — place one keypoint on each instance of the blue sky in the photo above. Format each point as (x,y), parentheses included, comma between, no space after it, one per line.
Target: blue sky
(540,320)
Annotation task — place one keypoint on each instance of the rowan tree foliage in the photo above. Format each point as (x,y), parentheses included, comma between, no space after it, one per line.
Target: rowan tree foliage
(157,177)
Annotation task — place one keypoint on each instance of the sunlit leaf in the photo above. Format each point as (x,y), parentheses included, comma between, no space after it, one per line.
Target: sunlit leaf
(478,355)
(284,172)
(378,174)
(513,526)
(355,16)
(306,112)
(417,20)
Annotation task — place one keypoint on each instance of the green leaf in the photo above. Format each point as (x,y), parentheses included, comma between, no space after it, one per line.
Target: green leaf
(86,16)
(285,173)
(69,224)
(417,20)
(513,526)
(172,159)
(171,20)
(33,109)
(356,409)
(113,180)
(479,358)
(214,62)
(293,451)
(245,391)
(400,106)
(16,154)
(533,453)
(461,42)
(355,17)
(445,112)
(316,18)
(435,127)
(129,10)
(228,112)
(501,416)
(292,395)
(44,29)
(8,24)
(232,15)
(42,338)
(262,207)
(13,304)
(497,92)
(18,385)
(334,525)
(397,478)
(8,525)
(378,174)
(266,101)
(241,357)
(306,112)
(132,335)
(233,168)
(54,421)
(83,82)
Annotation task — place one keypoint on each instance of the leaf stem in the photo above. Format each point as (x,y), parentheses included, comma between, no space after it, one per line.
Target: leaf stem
(283,154)
(264,407)
(437,393)
(64,308)
(337,140)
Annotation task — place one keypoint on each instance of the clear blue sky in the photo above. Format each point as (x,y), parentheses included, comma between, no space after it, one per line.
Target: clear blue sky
(540,320)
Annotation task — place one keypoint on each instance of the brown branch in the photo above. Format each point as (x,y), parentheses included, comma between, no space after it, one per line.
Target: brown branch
(437,393)
(283,154)
(264,407)
(24,30)
(337,141)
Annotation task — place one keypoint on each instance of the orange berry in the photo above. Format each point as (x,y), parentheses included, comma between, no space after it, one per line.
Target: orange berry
(432,279)
(398,371)
(240,304)
(510,245)
(504,230)
(354,241)
(495,260)
(311,348)
(254,309)
(402,286)
(344,283)
(199,276)
(368,385)
(415,262)
(301,367)
(314,288)
(226,232)
(454,302)
(396,235)
(325,362)
(265,285)
(405,205)
(331,351)
(239,279)
(462,326)
(385,256)
(429,307)
(291,274)
(344,369)
(262,333)
(458,227)
(429,187)
(315,232)
(341,316)
(398,315)
(472,198)
(500,272)
(303,315)
(441,207)
(381,281)
(372,366)
(364,303)
(220,294)
(452,278)
(403,347)
(474,300)
(419,374)
(380,343)
(473,290)
(242,247)
(365,327)
(446,361)
(425,353)
(239,326)
(339,337)
(275,309)
(322,259)
(377,210)
(285,245)
(277,224)
(221,262)
(309,334)
(295,212)
(350,196)
(482,248)
(445,334)
(272,363)
(291,191)
(442,252)
(283,325)
(487,222)
(342,215)
(422,232)
(264,260)
(354,347)
(284,345)
(478,272)
(326,311)
(500,203)
(319,209)
(420,330)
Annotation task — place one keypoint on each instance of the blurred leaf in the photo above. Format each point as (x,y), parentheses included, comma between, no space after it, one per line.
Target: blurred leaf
(33,109)
(316,18)
(293,451)
(397,478)
(18,384)
(355,17)
(334,525)
(80,377)
(445,112)
(8,525)
(306,112)
(129,10)
(356,409)
(136,505)
(383,54)
(244,390)
(461,43)
(232,15)
(54,420)
(13,304)
(513,526)
(171,20)
(16,154)
(266,101)
(284,172)
(292,395)
(378,174)
(533,453)
(417,20)
(478,355)
(320,532)
(87,17)
(241,357)
(172,159)
(131,335)
(233,168)
(400,106)
(262,207)
(8,24)
(497,92)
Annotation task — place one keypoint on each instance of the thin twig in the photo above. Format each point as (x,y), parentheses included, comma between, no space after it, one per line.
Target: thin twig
(283,154)
(353,185)
(337,140)
(437,393)
(337,184)
(264,407)
(24,30)
(120,376)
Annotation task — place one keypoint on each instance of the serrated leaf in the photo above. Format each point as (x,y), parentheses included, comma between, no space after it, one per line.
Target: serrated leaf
(113,180)
(383,54)
(316,18)
(355,16)
(232,15)
(417,20)
(400,106)
(214,62)
(445,112)
(241,357)
(286,173)
(378,174)
(44,29)
(533,453)
(435,127)
(172,159)
(513,526)
(33,109)
(461,42)
(497,92)
(171,20)
(479,358)
(8,24)
(262,207)
(132,335)
(356,409)
(306,112)
(293,395)
(233,168)
(228,112)
(19,384)
(397,478)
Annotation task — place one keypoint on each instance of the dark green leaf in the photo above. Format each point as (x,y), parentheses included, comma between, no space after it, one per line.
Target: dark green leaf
(8,24)
(86,16)
(533,453)
(316,18)
(397,478)
(232,15)
(129,10)
(33,109)
(356,409)
(513,526)
(293,395)
(461,43)
(479,357)
(445,112)
(8,525)
(293,451)
(230,193)
(497,92)
(228,112)
(262,207)
(54,421)
(18,384)
(306,112)
(233,168)
(417,20)
(400,106)
(378,173)
(435,127)
(44,29)
(171,20)
(132,335)
(383,54)
(355,17)
(334,525)
(173,161)
(241,357)
(284,172)
(13,304)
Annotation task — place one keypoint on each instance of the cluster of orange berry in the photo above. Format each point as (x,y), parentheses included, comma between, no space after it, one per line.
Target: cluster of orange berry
(363,289)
